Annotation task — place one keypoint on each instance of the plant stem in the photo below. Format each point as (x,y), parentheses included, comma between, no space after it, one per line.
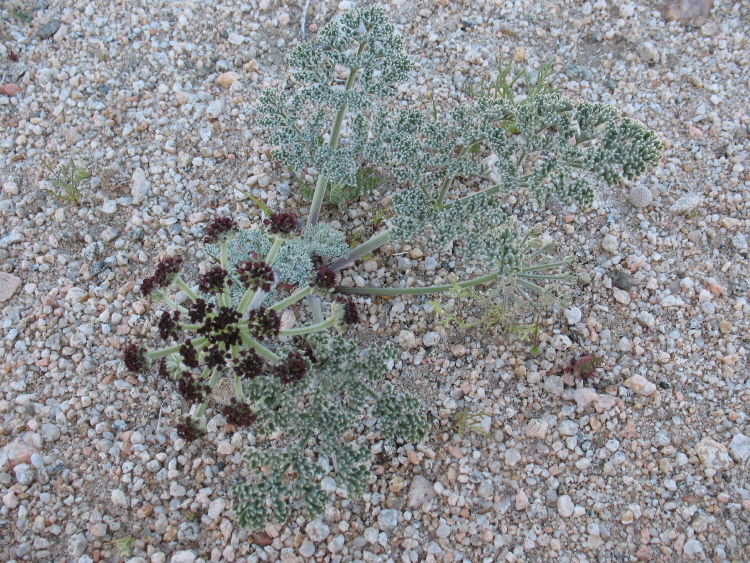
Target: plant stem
(308,329)
(416,290)
(212,383)
(171,303)
(258,347)
(370,245)
(322,183)
(186,288)
(292,299)
(277,242)
(223,298)
(317,311)
(196,342)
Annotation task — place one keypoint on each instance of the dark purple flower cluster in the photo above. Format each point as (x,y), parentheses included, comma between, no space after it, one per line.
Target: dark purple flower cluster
(135,358)
(168,324)
(214,280)
(166,272)
(263,323)
(192,390)
(189,354)
(220,229)
(215,356)
(198,311)
(281,223)
(163,368)
(292,368)
(256,274)
(239,414)
(325,278)
(189,430)
(222,327)
(351,315)
(250,365)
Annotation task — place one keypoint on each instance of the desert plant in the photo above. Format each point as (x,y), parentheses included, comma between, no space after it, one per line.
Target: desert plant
(66,179)
(543,145)
(469,421)
(305,394)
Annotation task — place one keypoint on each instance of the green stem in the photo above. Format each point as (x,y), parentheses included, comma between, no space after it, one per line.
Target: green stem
(416,290)
(223,297)
(370,245)
(186,288)
(196,342)
(317,327)
(238,392)
(277,242)
(449,178)
(317,310)
(171,303)
(258,347)
(292,299)
(322,183)
(212,383)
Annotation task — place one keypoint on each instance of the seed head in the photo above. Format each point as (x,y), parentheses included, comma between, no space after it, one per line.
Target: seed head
(264,323)
(189,430)
(256,274)
(166,271)
(219,230)
(239,414)
(214,280)
(292,368)
(250,365)
(135,358)
(281,223)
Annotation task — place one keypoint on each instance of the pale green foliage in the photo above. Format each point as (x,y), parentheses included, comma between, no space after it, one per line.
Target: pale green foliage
(66,181)
(469,421)
(294,261)
(335,396)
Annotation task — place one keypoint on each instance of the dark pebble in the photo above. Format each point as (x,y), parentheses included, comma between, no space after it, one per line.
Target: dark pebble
(98,267)
(621,280)
(49,29)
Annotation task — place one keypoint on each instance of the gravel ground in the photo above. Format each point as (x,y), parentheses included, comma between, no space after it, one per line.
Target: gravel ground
(648,464)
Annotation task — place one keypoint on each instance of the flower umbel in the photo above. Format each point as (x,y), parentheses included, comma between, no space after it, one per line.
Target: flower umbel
(214,280)
(239,414)
(325,279)
(189,430)
(281,223)
(256,274)
(219,230)
(135,358)
(292,368)
(166,271)
(250,365)
(263,323)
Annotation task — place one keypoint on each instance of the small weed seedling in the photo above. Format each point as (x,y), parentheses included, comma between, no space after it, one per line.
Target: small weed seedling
(66,180)
(469,421)
(585,366)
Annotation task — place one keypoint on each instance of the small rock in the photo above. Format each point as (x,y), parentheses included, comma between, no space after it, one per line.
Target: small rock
(407,339)
(512,456)
(584,396)
(522,501)
(621,296)
(119,498)
(317,531)
(687,11)
(235,38)
(24,474)
(537,428)
(77,545)
(48,29)
(686,204)
(99,530)
(9,90)
(388,519)
(640,196)
(605,402)
(8,285)
(640,385)
(554,385)
(568,428)
(561,342)
(565,506)
(421,490)
(307,549)
(739,448)
(184,556)
(139,186)
(692,548)
(621,280)
(610,244)
(672,301)
(573,315)
(647,53)
(712,454)
(10,188)
(443,531)
(431,338)
(18,451)
(226,79)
